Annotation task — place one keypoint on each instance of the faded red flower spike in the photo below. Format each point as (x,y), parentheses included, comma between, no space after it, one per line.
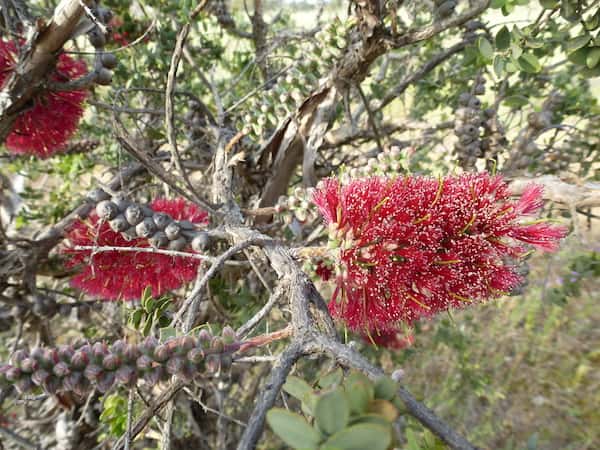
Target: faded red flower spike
(118,275)
(44,128)
(412,246)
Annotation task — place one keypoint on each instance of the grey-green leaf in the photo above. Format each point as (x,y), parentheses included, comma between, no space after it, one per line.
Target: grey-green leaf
(485,48)
(385,388)
(593,57)
(577,42)
(503,38)
(360,437)
(529,63)
(297,387)
(293,429)
(332,411)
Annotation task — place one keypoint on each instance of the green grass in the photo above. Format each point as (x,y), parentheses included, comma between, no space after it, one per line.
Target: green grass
(521,372)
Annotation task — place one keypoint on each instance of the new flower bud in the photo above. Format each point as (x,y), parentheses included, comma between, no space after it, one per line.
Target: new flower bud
(40,376)
(175,365)
(228,335)
(144,362)
(111,362)
(105,382)
(161,353)
(61,370)
(97,195)
(92,372)
(79,360)
(125,375)
(103,76)
(195,355)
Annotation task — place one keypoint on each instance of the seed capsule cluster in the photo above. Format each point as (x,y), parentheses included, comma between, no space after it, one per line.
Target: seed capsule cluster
(104,62)
(479,133)
(102,366)
(292,87)
(527,153)
(134,220)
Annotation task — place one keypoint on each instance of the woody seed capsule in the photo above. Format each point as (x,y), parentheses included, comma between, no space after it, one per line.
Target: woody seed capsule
(145,228)
(106,210)
(134,214)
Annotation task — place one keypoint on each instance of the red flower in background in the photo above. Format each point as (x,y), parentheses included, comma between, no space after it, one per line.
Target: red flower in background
(394,340)
(413,246)
(118,275)
(45,127)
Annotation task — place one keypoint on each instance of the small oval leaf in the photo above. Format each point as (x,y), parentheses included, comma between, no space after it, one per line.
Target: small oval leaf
(385,388)
(360,437)
(293,429)
(332,411)
(485,48)
(503,38)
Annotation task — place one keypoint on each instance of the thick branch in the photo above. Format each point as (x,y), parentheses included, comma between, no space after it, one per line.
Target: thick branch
(38,60)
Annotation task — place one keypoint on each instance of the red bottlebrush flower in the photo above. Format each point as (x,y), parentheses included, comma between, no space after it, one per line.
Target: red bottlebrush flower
(324,270)
(44,128)
(118,275)
(413,246)
(394,340)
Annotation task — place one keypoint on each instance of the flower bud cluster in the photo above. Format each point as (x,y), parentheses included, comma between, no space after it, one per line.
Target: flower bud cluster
(134,220)
(387,163)
(479,133)
(102,366)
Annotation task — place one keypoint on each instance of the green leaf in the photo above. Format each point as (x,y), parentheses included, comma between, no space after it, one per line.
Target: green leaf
(331,379)
(385,388)
(577,42)
(146,295)
(534,43)
(529,63)
(297,387)
(516,101)
(499,65)
(593,57)
(485,48)
(579,57)
(412,442)
(360,437)
(503,38)
(293,429)
(332,411)
(360,392)
(497,4)
(549,4)
(568,10)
